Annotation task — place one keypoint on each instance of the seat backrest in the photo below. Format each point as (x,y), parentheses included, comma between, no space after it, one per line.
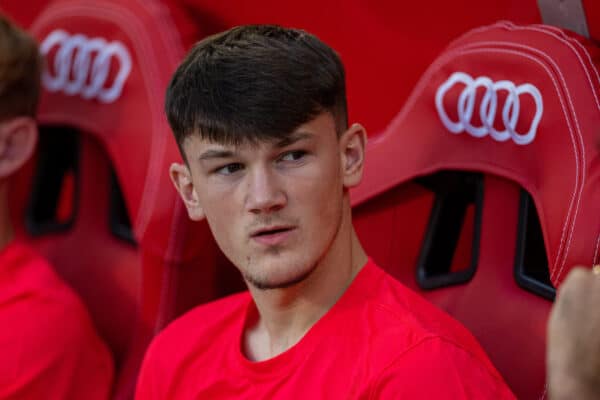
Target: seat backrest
(97,200)
(484,190)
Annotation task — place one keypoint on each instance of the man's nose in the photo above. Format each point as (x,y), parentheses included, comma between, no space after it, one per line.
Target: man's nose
(264,192)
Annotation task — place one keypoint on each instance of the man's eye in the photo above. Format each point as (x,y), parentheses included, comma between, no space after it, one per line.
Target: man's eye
(229,169)
(293,155)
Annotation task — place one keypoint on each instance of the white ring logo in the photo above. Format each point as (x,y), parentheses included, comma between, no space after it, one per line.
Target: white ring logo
(82,66)
(488,108)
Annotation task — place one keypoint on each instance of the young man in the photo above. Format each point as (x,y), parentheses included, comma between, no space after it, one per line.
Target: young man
(48,346)
(259,113)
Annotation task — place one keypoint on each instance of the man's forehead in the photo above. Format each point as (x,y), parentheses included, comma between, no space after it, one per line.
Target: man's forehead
(197,141)
(322,127)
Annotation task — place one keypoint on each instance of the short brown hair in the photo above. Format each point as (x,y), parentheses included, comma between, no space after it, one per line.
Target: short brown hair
(254,83)
(20,69)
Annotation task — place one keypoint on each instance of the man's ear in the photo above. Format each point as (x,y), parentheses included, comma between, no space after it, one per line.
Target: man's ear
(353,143)
(18,137)
(182,179)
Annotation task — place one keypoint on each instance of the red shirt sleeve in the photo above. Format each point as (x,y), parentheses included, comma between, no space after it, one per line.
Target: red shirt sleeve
(438,369)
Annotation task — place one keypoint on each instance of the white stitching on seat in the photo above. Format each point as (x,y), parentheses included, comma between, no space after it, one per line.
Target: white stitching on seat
(543,396)
(569,42)
(595,260)
(565,241)
(560,35)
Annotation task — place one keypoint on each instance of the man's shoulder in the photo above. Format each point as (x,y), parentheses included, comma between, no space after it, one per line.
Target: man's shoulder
(202,324)
(460,372)
(197,343)
(407,324)
(402,313)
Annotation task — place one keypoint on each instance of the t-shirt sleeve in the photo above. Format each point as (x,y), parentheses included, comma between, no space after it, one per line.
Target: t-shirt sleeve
(438,369)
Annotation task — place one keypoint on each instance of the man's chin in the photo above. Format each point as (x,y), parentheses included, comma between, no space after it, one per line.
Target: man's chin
(269,283)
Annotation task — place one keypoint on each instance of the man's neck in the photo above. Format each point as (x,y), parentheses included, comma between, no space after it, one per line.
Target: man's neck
(286,315)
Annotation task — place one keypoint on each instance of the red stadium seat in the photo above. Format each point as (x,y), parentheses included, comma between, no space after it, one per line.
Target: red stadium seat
(97,199)
(484,190)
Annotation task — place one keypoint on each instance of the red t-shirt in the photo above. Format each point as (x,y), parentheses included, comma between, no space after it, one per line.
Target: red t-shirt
(48,346)
(379,341)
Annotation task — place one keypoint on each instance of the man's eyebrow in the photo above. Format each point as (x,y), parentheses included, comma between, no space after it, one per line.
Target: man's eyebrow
(293,138)
(211,154)
(286,141)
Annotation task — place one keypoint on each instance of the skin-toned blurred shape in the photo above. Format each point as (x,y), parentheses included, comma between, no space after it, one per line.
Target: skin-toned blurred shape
(573,354)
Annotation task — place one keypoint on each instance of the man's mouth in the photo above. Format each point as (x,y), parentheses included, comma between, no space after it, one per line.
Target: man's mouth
(272,235)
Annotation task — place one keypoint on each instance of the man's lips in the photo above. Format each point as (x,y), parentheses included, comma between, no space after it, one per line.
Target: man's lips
(272,235)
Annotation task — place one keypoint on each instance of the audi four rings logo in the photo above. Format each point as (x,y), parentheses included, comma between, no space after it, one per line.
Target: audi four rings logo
(488,108)
(82,66)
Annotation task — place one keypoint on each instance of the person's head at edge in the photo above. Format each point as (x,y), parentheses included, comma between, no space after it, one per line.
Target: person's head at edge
(260,116)
(20,67)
